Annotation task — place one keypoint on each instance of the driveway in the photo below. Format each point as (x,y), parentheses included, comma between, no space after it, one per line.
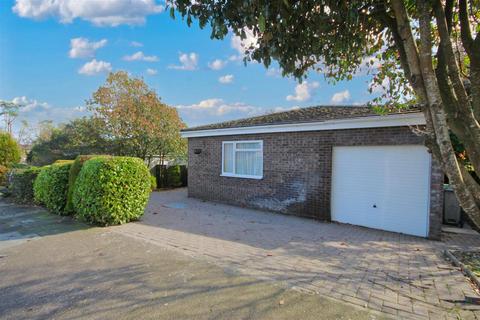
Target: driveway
(400,275)
(52,267)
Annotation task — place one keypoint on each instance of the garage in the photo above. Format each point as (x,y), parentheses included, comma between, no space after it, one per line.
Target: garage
(382,187)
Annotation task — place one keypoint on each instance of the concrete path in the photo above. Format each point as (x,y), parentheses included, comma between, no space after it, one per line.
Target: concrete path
(55,268)
(400,275)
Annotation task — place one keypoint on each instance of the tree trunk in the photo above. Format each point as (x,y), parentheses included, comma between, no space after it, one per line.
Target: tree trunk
(424,82)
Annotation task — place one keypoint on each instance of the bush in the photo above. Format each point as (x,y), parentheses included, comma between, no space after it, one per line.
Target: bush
(72,177)
(62,161)
(153,183)
(111,190)
(51,186)
(173,176)
(3,175)
(21,184)
(10,151)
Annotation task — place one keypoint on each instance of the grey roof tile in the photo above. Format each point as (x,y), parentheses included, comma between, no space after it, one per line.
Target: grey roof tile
(303,115)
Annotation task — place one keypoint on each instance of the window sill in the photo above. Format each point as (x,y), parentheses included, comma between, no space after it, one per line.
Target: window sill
(241,176)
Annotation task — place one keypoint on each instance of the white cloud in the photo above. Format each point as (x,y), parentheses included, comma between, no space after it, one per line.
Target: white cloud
(152,72)
(35,111)
(303,91)
(242,45)
(30,105)
(340,97)
(140,56)
(228,78)
(188,62)
(216,110)
(217,64)
(99,12)
(95,67)
(83,48)
(136,44)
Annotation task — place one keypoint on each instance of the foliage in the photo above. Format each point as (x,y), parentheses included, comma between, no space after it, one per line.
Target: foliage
(423,52)
(79,136)
(62,161)
(173,176)
(21,184)
(3,175)
(135,120)
(10,152)
(111,190)
(51,186)
(72,177)
(153,183)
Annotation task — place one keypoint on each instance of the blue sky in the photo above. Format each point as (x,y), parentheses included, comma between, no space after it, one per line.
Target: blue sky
(54,54)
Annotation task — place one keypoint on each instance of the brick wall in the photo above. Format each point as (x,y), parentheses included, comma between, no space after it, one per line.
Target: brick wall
(297,171)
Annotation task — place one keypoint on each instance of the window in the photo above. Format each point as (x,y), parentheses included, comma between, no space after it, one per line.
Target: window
(243,159)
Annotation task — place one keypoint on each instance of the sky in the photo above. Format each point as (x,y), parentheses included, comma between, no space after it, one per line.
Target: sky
(55,54)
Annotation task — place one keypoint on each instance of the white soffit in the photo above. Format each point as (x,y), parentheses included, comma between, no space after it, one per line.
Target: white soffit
(395,120)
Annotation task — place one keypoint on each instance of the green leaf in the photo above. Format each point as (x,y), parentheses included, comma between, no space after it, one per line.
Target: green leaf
(261,23)
(172,12)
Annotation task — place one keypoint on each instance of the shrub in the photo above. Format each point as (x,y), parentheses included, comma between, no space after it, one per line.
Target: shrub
(3,175)
(21,184)
(111,190)
(62,161)
(173,176)
(51,186)
(72,177)
(10,151)
(153,183)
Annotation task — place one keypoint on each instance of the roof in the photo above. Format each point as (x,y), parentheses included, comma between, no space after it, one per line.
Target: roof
(303,115)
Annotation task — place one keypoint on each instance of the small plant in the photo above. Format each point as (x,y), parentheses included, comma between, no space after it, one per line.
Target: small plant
(153,183)
(51,186)
(111,190)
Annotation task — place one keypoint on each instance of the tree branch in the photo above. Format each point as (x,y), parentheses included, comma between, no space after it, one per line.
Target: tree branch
(465,32)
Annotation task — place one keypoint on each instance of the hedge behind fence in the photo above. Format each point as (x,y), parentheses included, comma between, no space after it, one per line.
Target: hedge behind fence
(111,190)
(51,186)
(170,177)
(21,184)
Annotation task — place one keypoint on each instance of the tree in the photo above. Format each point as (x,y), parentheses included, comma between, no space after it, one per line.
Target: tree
(67,141)
(9,111)
(134,120)
(10,152)
(427,49)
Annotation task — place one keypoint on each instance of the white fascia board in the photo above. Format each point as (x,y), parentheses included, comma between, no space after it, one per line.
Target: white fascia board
(395,120)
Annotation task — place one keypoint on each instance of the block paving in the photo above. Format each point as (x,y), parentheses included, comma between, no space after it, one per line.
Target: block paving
(404,276)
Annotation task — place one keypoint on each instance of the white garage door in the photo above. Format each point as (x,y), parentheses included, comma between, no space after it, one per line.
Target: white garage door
(382,187)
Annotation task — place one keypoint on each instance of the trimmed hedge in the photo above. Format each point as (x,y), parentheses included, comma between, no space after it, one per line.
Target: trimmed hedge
(21,184)
(72,177)
(111,190)
(51,186)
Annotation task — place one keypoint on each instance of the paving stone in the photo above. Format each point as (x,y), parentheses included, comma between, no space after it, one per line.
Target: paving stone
(398,274)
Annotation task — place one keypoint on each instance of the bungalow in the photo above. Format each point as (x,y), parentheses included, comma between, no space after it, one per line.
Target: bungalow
(346,164)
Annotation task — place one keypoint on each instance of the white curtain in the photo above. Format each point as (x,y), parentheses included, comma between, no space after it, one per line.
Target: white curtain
(248,163)
(228,157)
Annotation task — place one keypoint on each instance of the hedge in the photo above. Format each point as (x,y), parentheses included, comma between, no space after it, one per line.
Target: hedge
(51,186)
(72,177)
(21,184)
(111,190)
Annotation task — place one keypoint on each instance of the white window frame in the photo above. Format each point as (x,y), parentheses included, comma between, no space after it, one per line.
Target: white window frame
(228,174)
